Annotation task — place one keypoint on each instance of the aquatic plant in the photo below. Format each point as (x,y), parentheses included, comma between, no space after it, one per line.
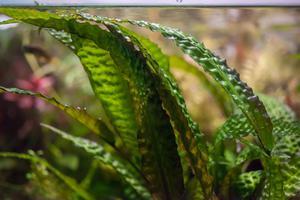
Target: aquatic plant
(151,141)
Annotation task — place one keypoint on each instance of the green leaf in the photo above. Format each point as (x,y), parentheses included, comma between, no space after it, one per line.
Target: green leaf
(98,152)
(160,159)
(237,125)
(216,91)
(277,108)
(286,154)
(283,177)
(175,106)
(71,183)
(92,123)
(250,152)
(247,182)
(108,85)
(273,184)
(152,49)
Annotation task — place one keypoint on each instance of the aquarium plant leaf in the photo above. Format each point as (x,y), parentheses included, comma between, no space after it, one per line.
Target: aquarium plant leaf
(286,156)
(35,159)
(237,125)
(175,106)
(160,159)
(273,184)
(249,152)
(277,108)
(95,125)
(228,78)
(108,85)
(283,177)
(246,183)
(152,49)
(193,190)
(46,185)
(222,99)
(98,152)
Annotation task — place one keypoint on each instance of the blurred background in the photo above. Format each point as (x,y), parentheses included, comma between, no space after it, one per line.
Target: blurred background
(263,44)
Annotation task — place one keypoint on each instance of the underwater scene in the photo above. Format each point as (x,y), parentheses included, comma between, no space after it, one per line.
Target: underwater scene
(145,103)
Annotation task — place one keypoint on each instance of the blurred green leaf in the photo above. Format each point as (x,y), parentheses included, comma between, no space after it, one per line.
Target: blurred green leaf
(216,91)
(128,173)
(71,183)
(92,123)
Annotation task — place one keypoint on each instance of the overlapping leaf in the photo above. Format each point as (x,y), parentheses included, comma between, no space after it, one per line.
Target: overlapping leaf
(286,156)
(152,49)
(160,160)
(193,190)
(216,91)
(282,177)
(250,152)
(108,85)
(281,115)
(173,102)
(273,184)
(71,183)
(98,152)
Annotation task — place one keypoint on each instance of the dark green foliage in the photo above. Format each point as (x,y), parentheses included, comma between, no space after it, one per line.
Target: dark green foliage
(247,182)
(287,160)
(35,159)
(130,76)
